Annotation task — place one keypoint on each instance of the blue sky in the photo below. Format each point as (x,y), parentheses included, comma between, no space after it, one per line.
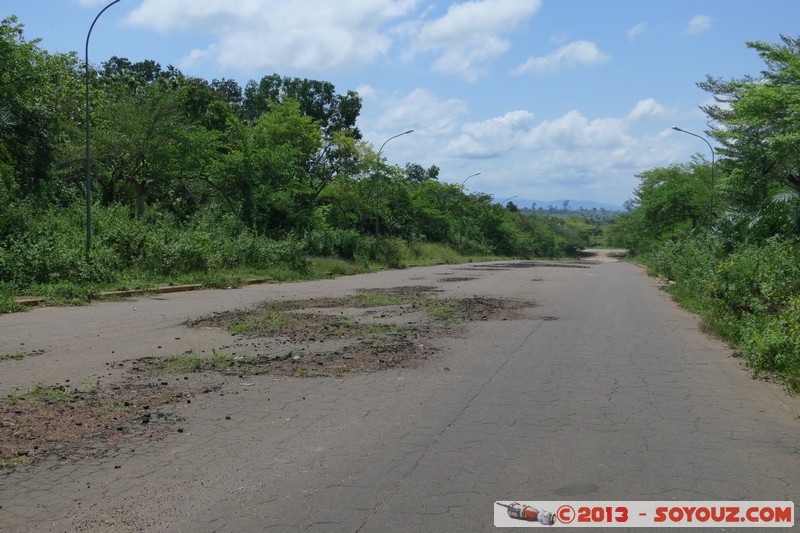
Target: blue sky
(547,99)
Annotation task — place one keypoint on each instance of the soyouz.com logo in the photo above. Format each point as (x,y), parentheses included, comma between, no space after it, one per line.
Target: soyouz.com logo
(644,514)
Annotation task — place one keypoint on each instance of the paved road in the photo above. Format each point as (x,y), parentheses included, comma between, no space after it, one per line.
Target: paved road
(621,397)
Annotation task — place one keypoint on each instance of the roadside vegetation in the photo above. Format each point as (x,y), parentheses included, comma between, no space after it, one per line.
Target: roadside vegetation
(197,181)
(730,241)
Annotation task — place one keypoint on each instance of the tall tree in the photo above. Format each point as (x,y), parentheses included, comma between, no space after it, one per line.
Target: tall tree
(672,198)
(335,115)
(317,99)
(229,90)
(264,173)
(134,134)
(34,88)
(417,173)
(756,120)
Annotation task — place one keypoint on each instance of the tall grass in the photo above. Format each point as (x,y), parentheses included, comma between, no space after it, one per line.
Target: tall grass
(45,255)
(50,252)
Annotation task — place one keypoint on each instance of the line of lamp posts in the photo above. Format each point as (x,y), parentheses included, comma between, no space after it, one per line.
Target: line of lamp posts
(463,185)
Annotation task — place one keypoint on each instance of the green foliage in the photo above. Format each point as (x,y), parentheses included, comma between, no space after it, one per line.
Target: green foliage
(332,242)
(42,394)
(749,297)
(317,99)
(772,342)
(668,202)
(429,253)
(33,84)
(52,250)
(189,363)
(334,267)
(262,177)
(387,251)
(758,128)
(684,258)
(8,304)
(204,182)
(738,265)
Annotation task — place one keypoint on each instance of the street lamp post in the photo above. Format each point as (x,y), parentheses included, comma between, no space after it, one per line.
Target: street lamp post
(507,199)
(88,149)
(711,193)
(461,225)
(377,190)
(463,183)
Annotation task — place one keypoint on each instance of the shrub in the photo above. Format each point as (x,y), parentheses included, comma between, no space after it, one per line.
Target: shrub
(387,251)
(52,249)
(7,302)
(332,242)
(427,253)
(750,296)
(772,342)
(691,258)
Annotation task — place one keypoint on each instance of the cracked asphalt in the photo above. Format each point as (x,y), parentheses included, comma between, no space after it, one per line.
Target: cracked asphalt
(619,397)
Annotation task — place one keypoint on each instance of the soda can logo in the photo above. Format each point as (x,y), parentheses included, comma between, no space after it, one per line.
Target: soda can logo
(546,518)
(527,513)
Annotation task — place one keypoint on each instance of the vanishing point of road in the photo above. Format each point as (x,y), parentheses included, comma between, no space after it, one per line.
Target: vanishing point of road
(617,395)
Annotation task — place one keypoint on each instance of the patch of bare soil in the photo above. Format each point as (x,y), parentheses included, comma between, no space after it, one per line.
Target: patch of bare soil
(368,331)
(68,423)
(479,308)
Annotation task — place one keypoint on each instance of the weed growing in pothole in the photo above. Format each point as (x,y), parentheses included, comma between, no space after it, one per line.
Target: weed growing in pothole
(378,327)
(189,363)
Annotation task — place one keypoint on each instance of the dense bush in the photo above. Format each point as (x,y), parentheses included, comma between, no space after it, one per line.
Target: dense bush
(332,242)
(751,296)
(772,342)
(194,179)
(53,248)
(387,251)
(685,258)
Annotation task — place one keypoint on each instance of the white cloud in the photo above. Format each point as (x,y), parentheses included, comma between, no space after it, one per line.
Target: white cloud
(512,121)
(468,147)
(461,60)
(601,172)
(491,137)
(320,35)
(517,131)
(584,53)
(423,112)
(635,31)
(573,131)
(560,157)
(366,92)
(470,34)
(314,35)
(465,20)
(698,25)
(646,109)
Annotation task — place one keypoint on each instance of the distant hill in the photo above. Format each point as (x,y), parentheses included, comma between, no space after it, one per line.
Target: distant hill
(574,205)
